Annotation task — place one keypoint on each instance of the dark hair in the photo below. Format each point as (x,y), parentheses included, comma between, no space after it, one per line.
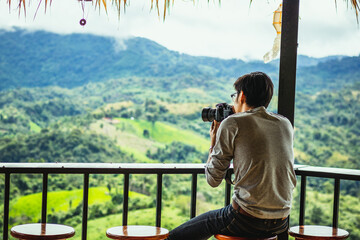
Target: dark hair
(257,88)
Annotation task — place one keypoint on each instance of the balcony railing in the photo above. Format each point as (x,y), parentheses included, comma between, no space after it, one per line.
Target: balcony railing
(86,169)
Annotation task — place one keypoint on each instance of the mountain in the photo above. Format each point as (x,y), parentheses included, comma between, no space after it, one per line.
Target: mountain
(306,61)
(331,75)
(38,59)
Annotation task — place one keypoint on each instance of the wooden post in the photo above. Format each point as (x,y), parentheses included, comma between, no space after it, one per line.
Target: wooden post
(288,56)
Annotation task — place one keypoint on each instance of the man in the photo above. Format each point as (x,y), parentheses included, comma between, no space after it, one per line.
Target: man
(260,144)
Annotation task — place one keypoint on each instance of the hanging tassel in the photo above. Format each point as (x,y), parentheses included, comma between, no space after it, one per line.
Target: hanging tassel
(272,54)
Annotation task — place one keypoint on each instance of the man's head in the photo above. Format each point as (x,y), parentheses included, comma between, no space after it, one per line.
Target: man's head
(257,88)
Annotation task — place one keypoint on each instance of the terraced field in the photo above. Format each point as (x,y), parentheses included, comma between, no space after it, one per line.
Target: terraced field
(129,136)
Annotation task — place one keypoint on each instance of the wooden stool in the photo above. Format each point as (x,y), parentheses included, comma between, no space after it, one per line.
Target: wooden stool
(137,232)
(224,237)
(314,232)
(44,231)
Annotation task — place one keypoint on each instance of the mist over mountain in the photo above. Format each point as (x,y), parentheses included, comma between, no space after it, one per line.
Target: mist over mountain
(38,59)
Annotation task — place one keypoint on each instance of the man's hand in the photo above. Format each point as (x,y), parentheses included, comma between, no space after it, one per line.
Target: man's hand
(213,130)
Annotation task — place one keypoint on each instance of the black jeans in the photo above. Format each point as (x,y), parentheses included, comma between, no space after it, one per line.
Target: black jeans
(227,221)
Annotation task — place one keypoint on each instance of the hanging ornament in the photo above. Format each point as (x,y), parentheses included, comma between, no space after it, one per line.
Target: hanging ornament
(271,55)
(83,20)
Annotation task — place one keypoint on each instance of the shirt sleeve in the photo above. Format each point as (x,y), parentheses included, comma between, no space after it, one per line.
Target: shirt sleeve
(222,153)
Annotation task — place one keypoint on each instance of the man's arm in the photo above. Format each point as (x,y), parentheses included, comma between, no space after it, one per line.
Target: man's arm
(221,153)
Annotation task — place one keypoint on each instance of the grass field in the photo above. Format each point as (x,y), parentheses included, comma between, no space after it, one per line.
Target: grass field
(128,135)
(139,156)
(163,133)
(34,127)
(184,108)
(30,205)
(97,228)
(127,141)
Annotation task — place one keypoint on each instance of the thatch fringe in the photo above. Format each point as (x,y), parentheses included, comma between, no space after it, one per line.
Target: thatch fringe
(356,6)
(98,3)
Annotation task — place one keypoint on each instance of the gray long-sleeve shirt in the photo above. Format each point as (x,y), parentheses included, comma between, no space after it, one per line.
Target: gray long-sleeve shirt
(260,144)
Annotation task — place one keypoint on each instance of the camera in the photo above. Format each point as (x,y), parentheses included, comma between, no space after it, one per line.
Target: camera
(222,111)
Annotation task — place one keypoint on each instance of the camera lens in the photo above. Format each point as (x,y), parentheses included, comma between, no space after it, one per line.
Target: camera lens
(208,114)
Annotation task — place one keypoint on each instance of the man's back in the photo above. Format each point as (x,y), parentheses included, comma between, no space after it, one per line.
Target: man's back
(261,145)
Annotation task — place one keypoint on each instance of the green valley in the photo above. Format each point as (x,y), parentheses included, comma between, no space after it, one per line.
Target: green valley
(144,106)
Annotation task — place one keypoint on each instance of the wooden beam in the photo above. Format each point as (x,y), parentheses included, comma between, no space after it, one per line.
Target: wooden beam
(288,56)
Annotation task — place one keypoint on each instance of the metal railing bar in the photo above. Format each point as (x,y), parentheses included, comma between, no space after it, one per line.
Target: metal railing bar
(104,168)
(227,193)
(85,206)
(158,200)
(125,199)
(6,206)
(121,168)
(193,195)
(44,198)
(101,171)
(101,166)
(302,200)
(326,172)
(228,182)
(336,203)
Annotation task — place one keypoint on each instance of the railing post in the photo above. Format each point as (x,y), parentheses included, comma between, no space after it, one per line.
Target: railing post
(125,199)
(6,206)
(302,200)
(336,203)
(44,198)
(228,183)
(158,200)
(227,194)
(193,195)
(85,206)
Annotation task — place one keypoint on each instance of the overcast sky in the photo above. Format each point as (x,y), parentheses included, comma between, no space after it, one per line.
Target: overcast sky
(233,29)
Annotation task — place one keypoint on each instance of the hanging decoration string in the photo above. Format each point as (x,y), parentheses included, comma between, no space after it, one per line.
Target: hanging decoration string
(83,21)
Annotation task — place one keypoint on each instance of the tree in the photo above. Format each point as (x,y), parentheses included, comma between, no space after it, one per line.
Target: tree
(146,133)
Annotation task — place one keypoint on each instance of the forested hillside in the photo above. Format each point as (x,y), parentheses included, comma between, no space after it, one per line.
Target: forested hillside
(38,59)
(84,98)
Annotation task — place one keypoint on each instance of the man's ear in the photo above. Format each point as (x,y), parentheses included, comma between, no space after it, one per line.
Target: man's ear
(242,97)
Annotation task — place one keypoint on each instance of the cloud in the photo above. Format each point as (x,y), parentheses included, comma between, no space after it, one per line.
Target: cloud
(119,45)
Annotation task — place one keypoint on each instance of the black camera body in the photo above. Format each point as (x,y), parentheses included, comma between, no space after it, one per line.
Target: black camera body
(222,111)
